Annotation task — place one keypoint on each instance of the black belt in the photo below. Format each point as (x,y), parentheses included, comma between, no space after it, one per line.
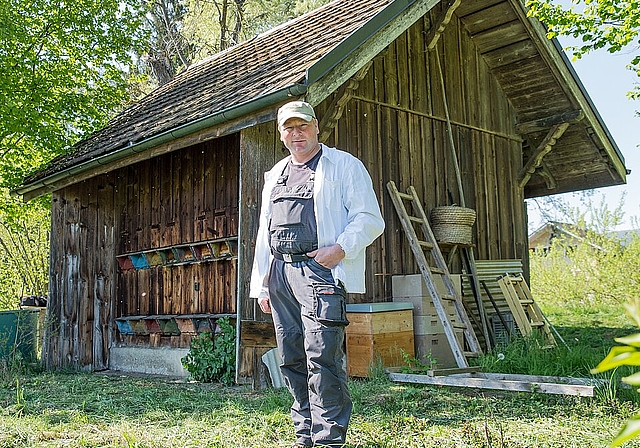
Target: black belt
(290,258)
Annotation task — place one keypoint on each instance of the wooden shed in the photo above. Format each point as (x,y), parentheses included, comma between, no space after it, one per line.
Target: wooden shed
(155,215)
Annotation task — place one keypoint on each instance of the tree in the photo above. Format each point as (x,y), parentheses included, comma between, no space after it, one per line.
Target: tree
(184,32)
(63,72)
(608,24)
(24,251)
(169,48)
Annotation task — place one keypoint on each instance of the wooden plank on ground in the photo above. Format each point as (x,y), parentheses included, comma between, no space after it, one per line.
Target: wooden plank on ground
(517,383)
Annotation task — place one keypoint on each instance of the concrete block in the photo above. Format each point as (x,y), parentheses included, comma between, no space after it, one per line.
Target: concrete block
(153,361)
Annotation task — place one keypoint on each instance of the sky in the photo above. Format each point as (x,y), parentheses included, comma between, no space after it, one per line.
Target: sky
(607,81)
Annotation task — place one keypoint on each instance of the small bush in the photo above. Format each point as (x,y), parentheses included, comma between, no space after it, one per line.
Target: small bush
(212,357)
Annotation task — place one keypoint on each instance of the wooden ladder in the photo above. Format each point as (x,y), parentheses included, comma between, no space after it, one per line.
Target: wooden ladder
(423,250)
(525,310)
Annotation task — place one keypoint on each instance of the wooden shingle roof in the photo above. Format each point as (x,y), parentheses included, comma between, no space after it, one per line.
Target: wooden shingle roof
(268,63)
(296,58)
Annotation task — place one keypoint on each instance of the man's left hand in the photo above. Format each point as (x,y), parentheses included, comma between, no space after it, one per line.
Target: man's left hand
(328,256)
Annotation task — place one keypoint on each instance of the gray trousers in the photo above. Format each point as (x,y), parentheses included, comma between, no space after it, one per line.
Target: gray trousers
(309,314)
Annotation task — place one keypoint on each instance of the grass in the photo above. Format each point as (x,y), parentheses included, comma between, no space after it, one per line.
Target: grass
(44,409)
(96,410)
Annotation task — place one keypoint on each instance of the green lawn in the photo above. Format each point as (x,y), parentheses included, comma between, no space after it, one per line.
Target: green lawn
(99,410)
(96,410)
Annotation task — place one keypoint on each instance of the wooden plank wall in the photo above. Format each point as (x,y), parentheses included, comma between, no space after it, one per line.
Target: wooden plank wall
(82,276)
(260,148)
(396,124)
(181,197)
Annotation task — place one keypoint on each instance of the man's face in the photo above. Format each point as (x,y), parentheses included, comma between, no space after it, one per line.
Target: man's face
(301,138)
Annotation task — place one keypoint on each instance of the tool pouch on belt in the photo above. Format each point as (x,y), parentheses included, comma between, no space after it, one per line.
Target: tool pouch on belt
(329,305)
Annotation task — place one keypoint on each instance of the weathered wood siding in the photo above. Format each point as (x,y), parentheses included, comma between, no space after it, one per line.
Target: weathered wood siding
(181,197)
(396,124)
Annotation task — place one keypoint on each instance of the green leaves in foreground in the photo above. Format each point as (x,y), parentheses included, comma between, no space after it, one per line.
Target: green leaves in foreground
(626,355)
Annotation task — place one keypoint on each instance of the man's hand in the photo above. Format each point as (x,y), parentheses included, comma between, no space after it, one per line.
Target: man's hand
(328,256)
(265,304)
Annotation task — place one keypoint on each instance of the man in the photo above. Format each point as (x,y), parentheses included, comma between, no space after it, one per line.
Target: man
(319,213)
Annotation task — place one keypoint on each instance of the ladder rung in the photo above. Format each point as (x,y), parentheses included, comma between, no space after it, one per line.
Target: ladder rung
(425,244)
(416,219)
(435,270)
(516,279)
(458,326)
(405,196)
(470,354)
(526,302)
(448,297)
(537,324)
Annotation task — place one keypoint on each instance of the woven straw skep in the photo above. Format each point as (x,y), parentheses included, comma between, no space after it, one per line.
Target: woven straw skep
(453,224)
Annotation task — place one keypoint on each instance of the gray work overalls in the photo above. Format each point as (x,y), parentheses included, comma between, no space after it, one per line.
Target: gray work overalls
(309,315)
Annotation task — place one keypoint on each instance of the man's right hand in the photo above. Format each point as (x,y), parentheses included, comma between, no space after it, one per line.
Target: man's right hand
(264,304)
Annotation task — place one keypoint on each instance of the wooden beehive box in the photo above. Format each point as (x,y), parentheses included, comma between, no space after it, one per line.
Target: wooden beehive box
(378,332)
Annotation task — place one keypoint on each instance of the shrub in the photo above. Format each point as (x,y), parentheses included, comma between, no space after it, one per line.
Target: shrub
(212,356)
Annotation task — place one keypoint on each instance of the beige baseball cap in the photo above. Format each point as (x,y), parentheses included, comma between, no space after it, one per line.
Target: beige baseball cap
(295,109)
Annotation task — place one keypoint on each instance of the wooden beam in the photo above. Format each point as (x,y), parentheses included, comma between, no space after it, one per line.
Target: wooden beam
(257,334)
(529,127)
(342,97)
(543,171)
(441,23)
(543,149)
(498,381)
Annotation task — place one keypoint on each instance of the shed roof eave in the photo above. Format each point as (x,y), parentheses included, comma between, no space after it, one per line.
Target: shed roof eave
(69,175)
(555,56)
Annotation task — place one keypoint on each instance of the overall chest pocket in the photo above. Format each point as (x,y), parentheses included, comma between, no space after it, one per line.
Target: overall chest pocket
(288,204)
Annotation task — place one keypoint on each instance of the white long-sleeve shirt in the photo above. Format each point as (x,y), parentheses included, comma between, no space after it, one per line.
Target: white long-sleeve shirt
(347,213)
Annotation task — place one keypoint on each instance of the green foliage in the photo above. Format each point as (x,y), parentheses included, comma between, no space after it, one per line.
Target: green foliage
(212,26)
(627,354)
(212,357)
(609,24)
(415,365)
(588,276)
(24,249)
(533,357)
(592,277)
(63,71)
